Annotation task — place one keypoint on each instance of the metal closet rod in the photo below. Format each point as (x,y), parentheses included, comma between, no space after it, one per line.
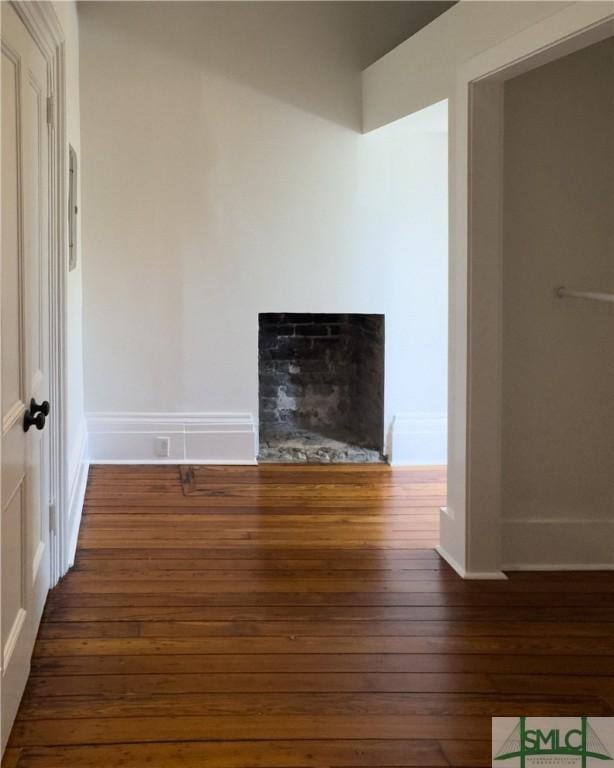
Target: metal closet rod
(563,293)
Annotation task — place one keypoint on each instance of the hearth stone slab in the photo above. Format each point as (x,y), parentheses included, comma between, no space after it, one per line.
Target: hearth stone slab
(306,447)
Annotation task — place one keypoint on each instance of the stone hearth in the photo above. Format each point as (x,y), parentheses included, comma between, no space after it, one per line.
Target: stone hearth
(302,445)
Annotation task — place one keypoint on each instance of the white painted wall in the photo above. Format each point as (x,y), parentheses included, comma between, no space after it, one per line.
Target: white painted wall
(558,355)
(404,183)
(224,174)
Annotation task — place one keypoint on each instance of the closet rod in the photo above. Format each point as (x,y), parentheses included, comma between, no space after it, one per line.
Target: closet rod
(563,292)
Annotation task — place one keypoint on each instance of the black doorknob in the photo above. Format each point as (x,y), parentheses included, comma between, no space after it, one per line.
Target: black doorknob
(43,408)
(31,420)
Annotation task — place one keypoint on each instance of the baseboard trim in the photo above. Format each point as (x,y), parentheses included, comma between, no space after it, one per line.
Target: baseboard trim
(76,500)
(553,545)
(559,567)
(193,438)
(464,574)
(418,439)
(175,462)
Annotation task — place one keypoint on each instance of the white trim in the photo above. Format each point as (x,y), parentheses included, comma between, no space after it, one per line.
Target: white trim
(418,439)
(476,575)
(11,641)
(176,462)
(475,259)
(14,413)
(149,420)
(580,521)
(42,23)
(564,567)
(206,438)
(558,543)
(76,499)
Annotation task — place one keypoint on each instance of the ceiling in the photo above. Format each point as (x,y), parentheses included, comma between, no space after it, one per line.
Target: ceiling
(373,27)
(382,25)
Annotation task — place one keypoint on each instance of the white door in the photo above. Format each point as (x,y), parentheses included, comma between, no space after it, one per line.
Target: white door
(24,532)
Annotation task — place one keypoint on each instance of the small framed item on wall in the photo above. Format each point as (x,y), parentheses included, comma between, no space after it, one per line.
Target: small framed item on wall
(72,208)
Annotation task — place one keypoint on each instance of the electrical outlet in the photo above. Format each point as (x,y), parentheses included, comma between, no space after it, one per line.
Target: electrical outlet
(163,447)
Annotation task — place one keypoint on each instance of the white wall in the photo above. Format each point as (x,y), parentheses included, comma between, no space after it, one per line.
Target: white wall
(558,355)
(224,175)
(404,183)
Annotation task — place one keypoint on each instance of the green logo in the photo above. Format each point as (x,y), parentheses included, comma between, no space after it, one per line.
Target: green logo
(579,742)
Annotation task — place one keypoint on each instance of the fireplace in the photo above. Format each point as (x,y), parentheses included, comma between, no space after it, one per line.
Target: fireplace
(321,387)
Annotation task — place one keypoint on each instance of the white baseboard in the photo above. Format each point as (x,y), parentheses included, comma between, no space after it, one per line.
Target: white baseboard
(76,497)
(577,567)
(205,438)
(464,574)
(418,439)
(178,462)
(557,545)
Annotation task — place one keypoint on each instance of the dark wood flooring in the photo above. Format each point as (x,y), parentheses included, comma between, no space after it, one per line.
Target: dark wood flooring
(283,616)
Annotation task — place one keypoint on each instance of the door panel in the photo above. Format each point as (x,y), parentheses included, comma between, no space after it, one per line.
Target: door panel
(24,534)
(15,663)
(13,603)
(11,265)
(35,213)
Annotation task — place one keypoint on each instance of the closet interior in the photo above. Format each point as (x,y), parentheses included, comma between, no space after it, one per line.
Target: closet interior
(558,313)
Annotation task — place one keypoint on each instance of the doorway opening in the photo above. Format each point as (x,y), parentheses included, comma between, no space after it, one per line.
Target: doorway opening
(497,521)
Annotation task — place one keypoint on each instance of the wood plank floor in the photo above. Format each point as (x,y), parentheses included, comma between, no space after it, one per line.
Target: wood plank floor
(283,616)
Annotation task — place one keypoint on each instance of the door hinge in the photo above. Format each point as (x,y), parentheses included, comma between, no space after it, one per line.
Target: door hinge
(53,518)
(50,110)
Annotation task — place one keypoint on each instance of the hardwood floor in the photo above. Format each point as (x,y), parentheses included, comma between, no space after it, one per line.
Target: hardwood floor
(281,617)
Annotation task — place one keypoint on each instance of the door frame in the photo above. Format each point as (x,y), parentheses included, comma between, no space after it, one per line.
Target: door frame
(471,524)
(42,23)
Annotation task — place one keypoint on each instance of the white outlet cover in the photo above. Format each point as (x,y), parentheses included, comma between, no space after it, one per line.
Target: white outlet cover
(163,446)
